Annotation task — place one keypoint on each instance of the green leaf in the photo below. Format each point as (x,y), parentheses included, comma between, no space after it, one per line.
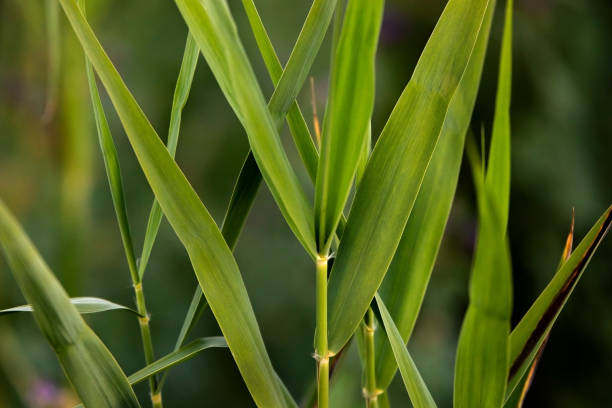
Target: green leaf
(84,305)
(92,370)
(481,369)
(181,93)
(177,357)
(302,56)
(343,140)
(212,260)
(404,286)
(535,325)
(417,390)
(297,125)
(396,168)
(213,28)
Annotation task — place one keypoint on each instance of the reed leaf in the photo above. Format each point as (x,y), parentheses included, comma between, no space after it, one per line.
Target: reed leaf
(351,96)
(415,386)
(396,168)
(84,305)
(91,368)
(212,260)
(405,284)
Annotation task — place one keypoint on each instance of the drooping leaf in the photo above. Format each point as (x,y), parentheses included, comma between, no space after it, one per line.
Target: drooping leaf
(527,337)
(213,28)
(181,93)
(404,286)
(212,260)
(417,390)
(176,357)
(351,96)
(396,168)
(83,305)
(91,368)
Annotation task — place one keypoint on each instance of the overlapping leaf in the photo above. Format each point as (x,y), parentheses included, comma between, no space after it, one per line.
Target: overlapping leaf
(90,367)
(347,117)
(396,168)
(84,305)
(406,281)
(215,267)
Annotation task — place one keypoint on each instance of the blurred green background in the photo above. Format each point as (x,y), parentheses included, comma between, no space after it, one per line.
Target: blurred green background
(52,177)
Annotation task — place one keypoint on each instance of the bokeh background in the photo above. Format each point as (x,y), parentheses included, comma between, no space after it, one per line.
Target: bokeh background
(52,177)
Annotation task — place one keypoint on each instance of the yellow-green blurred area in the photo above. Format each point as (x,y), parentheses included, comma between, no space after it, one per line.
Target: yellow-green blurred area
(52,177)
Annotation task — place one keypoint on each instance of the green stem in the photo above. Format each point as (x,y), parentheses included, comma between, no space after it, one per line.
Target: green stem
(370,391)
(322,352)
(147,343)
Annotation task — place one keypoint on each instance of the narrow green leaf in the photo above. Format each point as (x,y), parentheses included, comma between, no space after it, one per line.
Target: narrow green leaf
(404,286)
(351,96)
(535,325)
(84,305)
(498,170)
(214,30)
(90,367)
(54,41)
(181,93)
(297,125)
(177,357)
(396,168)
(417,390)
(212,260)
(302,56)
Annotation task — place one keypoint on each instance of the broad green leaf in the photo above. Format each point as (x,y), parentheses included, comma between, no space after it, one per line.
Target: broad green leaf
(343,139)
(213,28)
(83,305)
(92,370)
(535,325)
(177,357)
(396,168)
(297,125)
(302,56)
(417,390)
(212,260)
(481,368)
(181,93)
(404,286)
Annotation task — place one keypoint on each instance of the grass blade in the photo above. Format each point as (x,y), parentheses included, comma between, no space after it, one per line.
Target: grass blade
(417,390)
(213,28)
(83,305)
(177,357)
(533,328)
(302,56)
(481,368)
(343,140)
(396,168)
(295,119)
(212,260)
(181,93)
(92,370)
(404,286)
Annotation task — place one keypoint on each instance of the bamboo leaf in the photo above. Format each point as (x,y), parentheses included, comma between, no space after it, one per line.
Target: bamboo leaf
(533,328)
(83,305)
(181,93)
(417,390)
(404,286)
(92,370)
(213,28)
(343,140)
(481,368)
(177,357)
(396,168)
(212,260)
